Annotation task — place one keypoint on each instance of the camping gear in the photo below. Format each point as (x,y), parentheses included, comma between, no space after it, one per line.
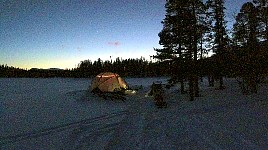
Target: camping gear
(130,92)
(157,92)
(108,82)
(159,101)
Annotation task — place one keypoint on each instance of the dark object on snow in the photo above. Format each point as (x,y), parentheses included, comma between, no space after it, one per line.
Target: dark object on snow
(157,92)
(119,95)
(159,101)
(156,88)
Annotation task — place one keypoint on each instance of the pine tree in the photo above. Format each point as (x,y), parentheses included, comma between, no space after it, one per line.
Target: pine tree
(171,37)
(220,40)
(262,7)
(180,37)
(246,36)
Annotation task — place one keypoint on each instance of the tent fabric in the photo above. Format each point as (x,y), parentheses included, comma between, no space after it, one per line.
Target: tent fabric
(108,82)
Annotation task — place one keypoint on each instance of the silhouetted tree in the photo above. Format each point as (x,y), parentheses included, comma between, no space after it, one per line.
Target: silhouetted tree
(262,15)
(183,28)
(247,38)
(220,38)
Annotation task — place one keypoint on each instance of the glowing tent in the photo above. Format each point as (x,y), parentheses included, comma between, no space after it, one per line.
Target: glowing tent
(108,82)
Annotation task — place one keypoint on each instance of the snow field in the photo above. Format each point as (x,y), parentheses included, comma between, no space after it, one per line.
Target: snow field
(72,118)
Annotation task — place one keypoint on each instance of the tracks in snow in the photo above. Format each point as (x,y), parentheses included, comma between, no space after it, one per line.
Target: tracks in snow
(74,126)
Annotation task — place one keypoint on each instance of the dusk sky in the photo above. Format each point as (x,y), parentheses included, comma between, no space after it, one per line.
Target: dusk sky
(61,33)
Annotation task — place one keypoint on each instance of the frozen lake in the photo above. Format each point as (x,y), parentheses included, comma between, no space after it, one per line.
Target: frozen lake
(58,113)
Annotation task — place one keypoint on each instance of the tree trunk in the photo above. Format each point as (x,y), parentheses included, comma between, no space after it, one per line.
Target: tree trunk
(196,87)
(210,80)
(182,87)
(191,88)
(195,50)
(253,85)
(221,83)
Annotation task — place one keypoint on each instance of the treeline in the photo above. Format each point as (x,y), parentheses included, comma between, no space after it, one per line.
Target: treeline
(87,68)
(127,67)
(194,27)
(9,71)
(13,72)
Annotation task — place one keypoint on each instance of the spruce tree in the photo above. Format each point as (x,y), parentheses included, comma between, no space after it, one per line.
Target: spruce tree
(262,15)
(246,37)
(220,36)
(180,37)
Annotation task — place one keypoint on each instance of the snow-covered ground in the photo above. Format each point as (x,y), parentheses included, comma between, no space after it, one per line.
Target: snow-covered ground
(60,113)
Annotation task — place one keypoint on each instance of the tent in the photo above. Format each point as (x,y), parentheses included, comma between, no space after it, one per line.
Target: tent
(108,82)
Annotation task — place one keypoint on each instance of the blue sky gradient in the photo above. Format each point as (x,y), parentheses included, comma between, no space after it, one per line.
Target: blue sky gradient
(61,33)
